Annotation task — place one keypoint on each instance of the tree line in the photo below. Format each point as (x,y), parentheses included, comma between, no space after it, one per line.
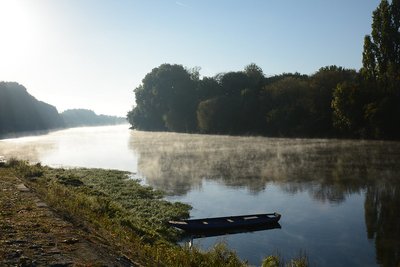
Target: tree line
(21,112)
(86,117)
(332,102)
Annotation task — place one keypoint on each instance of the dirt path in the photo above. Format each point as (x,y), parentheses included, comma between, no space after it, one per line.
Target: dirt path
(31,234)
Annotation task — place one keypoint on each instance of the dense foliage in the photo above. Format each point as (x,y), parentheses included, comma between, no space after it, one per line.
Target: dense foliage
(85,117)
(21,112)
(370,106)
(333,102)
(241,102)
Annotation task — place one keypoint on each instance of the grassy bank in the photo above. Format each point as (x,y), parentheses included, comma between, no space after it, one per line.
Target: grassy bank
(130,216)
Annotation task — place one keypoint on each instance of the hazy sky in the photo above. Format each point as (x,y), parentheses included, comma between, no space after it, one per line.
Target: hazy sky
(93,53)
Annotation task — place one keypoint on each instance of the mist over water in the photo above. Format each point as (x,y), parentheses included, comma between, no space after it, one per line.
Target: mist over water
(93,147)
(330,169)
(339,199)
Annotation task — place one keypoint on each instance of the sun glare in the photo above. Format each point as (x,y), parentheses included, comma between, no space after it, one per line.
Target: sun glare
(17,29)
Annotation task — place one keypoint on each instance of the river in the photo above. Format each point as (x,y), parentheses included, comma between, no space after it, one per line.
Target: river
(339,199)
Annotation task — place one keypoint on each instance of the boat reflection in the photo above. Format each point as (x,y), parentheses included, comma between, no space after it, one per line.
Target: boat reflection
(189,235)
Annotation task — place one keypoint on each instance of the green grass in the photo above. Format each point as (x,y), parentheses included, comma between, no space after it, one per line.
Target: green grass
(130,216)
(124,200)
(278,261)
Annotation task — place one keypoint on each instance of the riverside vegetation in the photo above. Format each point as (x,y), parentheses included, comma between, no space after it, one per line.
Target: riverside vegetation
(132,217)
(332,102)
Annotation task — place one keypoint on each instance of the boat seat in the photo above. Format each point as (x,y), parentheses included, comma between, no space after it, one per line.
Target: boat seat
(251,218)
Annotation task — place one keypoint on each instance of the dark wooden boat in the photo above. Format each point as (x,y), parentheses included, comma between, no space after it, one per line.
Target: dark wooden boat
(230,222)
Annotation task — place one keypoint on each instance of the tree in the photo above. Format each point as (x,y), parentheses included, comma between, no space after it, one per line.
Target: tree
(166,100)
(370,69)
(347,108)
(208,88)
(255,75)
(370,106)
(381,55)
(381,71)
(323,84)
(229,102)
(147,115)
(21,112)
(218,115)
(233,83)
(288,107)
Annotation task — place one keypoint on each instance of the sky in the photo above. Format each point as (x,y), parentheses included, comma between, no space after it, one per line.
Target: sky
(93,53)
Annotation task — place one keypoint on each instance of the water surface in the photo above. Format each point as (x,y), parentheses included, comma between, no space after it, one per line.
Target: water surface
(339,199)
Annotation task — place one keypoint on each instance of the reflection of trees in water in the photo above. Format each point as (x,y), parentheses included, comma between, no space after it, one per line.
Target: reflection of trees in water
(328,169)
(321,192)
(382,216)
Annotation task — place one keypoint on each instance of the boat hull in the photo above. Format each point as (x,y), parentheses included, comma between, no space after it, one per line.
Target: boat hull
(230,222)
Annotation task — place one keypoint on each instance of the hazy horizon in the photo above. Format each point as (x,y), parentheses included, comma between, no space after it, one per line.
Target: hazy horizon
(91,54)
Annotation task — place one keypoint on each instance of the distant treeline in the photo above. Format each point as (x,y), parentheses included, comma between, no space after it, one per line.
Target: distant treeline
(85,117)
(333,102)
(20,112)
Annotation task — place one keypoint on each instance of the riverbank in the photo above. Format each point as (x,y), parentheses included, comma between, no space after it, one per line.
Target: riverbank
(32,234)
(65,218)
(93,217)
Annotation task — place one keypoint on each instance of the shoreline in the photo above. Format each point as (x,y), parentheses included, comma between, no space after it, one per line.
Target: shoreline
(33,234)
(50,203)
(95,217)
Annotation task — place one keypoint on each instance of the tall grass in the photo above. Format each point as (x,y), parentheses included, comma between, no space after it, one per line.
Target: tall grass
(132,217)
